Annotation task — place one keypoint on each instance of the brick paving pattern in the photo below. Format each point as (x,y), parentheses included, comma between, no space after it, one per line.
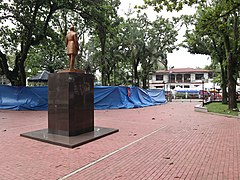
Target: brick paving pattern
(160,142)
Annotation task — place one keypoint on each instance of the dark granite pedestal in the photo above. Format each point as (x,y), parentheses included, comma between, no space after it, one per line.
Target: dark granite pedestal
(70,111)
(70,103)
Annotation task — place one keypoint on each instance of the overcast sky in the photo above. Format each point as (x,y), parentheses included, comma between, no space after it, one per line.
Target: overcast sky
(180,58)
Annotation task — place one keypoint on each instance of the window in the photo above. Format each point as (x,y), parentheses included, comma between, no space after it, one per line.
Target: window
(186,86)
(199,76)
(179,77)
(172,78)
(159,77)
(186,77)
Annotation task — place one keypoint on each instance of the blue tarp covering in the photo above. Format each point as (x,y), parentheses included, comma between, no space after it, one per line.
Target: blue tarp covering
(105,97)
(23,98)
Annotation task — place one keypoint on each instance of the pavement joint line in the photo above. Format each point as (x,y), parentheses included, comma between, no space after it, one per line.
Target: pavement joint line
(110,154)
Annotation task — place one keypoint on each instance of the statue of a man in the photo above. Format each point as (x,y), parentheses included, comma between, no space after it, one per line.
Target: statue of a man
(72,46)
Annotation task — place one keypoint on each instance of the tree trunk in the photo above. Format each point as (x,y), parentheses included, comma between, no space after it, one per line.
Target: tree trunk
(232,104)
(135,76)
(101,31)
(104,82)
(22,73)
(145,73)
(109,79)
(17,76)
(224,83)
(232,67)
(103,65)
(144,81)
(135,71)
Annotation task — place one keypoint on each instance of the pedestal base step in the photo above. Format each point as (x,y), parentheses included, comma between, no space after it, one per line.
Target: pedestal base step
(69,141)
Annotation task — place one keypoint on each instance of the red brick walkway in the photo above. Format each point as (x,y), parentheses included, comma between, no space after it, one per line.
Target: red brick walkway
(162,142)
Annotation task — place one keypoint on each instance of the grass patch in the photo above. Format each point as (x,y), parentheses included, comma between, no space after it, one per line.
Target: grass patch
(221,108)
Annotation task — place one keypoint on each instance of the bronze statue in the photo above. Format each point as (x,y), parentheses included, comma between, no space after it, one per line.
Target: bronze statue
(72,46)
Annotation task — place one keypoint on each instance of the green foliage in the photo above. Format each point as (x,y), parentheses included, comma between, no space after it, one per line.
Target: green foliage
(216,34)
(124,51)
(171,5)
(159,40)
(24,24)
(180,96)
(47,56)
(105,28)
(133,48)
(36,25)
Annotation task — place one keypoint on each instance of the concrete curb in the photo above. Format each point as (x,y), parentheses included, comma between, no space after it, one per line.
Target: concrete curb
(199,108)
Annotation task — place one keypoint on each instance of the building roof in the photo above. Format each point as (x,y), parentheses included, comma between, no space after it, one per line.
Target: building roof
(43,76)
(184,70)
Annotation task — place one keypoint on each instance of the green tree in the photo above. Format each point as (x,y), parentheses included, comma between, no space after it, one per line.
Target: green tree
(199,42)
(42,57)
(35,21)
(51,55)
(132,43)
(107,22)
(160,40)
(223,17)
(30,25)
(171,5)
(219,22)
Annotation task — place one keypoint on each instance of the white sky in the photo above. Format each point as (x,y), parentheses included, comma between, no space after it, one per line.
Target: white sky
(180,58)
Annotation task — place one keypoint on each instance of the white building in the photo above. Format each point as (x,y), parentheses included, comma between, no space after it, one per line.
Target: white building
(181,78)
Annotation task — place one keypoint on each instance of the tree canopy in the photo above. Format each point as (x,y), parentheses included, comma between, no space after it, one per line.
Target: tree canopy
(171,5)
(124,51)
(35,21)
(216,33)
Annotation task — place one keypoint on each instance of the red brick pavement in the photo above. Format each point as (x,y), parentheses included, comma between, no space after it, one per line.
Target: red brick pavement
(161,142)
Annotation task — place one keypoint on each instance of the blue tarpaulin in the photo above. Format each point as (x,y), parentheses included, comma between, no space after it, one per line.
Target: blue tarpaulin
(105,97)
(23,98)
